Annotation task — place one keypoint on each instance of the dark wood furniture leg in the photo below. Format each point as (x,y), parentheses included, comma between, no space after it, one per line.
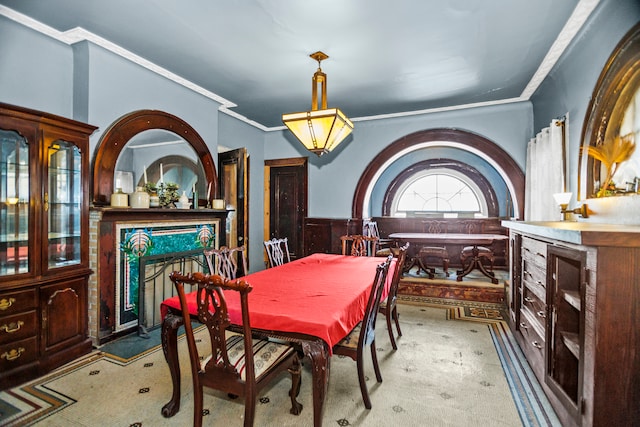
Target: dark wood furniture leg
(476,262)
(169,338)
(316,350)
(318,353)
(413,260)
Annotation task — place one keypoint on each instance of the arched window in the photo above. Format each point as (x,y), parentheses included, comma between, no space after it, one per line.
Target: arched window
(507,177)
(440,187)
(439,192)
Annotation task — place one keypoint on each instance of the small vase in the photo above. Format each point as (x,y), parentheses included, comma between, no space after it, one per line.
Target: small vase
(154,200)
(139,199)
(119,199)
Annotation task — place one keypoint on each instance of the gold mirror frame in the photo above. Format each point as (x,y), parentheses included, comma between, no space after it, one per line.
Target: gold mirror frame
(616,87)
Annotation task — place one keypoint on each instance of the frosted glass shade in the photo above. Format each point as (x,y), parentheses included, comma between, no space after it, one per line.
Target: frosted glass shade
(562,198)
(320,131)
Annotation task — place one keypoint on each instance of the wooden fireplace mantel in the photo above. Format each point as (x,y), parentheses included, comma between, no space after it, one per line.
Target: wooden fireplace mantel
(104,249)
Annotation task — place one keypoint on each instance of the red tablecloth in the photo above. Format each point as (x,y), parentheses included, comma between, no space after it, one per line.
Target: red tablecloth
(321,295)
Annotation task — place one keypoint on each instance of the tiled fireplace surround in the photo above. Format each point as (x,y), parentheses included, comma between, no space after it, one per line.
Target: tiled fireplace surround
(108,228)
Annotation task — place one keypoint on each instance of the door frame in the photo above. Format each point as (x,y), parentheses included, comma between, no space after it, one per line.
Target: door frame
(239,159)
(276,163)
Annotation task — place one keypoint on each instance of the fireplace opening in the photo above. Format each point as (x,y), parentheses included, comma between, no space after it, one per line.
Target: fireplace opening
(156,286)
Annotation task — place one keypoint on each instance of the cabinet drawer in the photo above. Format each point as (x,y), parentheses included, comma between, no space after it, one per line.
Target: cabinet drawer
(18,326)
(534,249)
(537,293)
(18,353)
(533,344)
(533,273)
(535,309)
(15,302)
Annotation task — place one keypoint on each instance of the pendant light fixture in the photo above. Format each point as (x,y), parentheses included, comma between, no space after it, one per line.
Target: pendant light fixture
(320,131)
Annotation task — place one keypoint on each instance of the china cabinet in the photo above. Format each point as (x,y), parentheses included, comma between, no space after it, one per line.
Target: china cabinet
(573,306)
(44,259)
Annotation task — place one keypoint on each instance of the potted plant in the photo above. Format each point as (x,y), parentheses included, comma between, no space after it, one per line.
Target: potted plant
(168,194)
(151,188)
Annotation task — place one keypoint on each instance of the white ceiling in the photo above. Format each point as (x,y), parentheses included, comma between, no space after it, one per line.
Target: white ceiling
(386,58)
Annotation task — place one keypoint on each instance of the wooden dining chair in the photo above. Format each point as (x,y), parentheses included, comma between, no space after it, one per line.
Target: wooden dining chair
(229,368)
(384,247)
(430,252)
(225,261)
(277,251)
(358,245)
(364,334)
(388,306)
(485,254)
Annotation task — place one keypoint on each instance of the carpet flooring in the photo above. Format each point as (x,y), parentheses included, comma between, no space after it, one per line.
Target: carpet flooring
(456,365)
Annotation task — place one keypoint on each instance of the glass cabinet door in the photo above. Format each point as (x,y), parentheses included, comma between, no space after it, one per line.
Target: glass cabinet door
(63,204)
(14,203)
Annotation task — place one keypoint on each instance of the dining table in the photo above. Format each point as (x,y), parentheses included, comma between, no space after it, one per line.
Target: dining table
(475,240)
(313,302)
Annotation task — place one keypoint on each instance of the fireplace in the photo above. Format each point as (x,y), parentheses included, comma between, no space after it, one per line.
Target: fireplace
(155,284)
(133,254)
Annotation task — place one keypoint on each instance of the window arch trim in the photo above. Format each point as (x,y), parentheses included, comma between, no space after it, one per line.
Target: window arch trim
(511,173)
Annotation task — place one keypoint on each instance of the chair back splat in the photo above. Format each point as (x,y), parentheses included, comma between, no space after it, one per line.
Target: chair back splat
(384,247)
(363,335)
(427,253)
(227,261)
(388,306)
(230,368)
(358,245)
(277,251)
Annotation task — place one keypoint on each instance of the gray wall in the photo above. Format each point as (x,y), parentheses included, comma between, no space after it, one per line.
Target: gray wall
(334,176)
(568,89)
(91,84)
(236,134)
(41,79)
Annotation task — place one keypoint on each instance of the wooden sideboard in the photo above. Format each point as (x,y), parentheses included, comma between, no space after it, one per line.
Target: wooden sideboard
(574,306)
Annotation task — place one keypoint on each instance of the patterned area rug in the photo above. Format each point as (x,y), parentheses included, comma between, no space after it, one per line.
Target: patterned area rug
(457,365)
(473,287)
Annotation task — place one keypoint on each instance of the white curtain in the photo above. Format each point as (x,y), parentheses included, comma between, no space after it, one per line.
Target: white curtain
(545,173)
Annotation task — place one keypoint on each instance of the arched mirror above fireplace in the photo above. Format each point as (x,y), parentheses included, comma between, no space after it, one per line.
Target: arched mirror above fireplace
(151,143)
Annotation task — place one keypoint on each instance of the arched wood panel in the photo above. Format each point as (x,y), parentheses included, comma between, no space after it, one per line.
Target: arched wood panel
(122,130)
(514,175)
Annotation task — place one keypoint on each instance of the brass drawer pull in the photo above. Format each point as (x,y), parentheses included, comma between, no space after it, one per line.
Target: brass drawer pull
(529,299)
(541,313)
(536,345)
(524,325)
(12,354)
(12,327)
(6,303)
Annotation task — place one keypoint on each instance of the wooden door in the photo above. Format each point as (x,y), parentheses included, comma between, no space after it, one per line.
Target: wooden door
(234,189)
(286,201)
